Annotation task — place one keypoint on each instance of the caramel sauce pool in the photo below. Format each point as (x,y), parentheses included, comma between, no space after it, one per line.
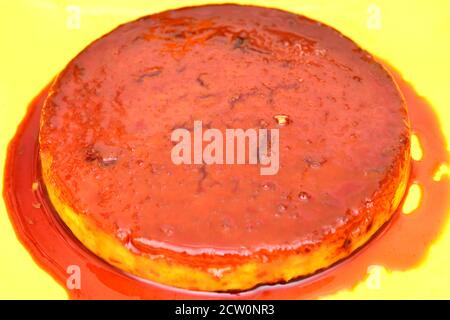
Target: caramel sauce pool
(402,244)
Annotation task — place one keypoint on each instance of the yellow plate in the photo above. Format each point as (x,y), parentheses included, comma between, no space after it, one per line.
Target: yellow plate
(39,37)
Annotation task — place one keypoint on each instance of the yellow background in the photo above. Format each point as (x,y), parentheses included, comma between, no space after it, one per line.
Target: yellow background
(39,37)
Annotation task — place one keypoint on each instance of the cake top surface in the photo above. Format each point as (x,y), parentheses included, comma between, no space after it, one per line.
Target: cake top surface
(107,125)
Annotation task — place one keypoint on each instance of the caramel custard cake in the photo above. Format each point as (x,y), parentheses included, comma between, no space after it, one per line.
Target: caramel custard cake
(105,147)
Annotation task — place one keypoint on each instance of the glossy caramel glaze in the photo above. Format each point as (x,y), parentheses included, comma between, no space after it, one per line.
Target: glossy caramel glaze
(344,153)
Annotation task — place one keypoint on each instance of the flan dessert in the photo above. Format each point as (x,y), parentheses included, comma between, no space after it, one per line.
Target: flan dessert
(105,147)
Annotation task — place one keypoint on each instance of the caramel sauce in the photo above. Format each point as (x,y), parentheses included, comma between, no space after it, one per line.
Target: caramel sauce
(400,245)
